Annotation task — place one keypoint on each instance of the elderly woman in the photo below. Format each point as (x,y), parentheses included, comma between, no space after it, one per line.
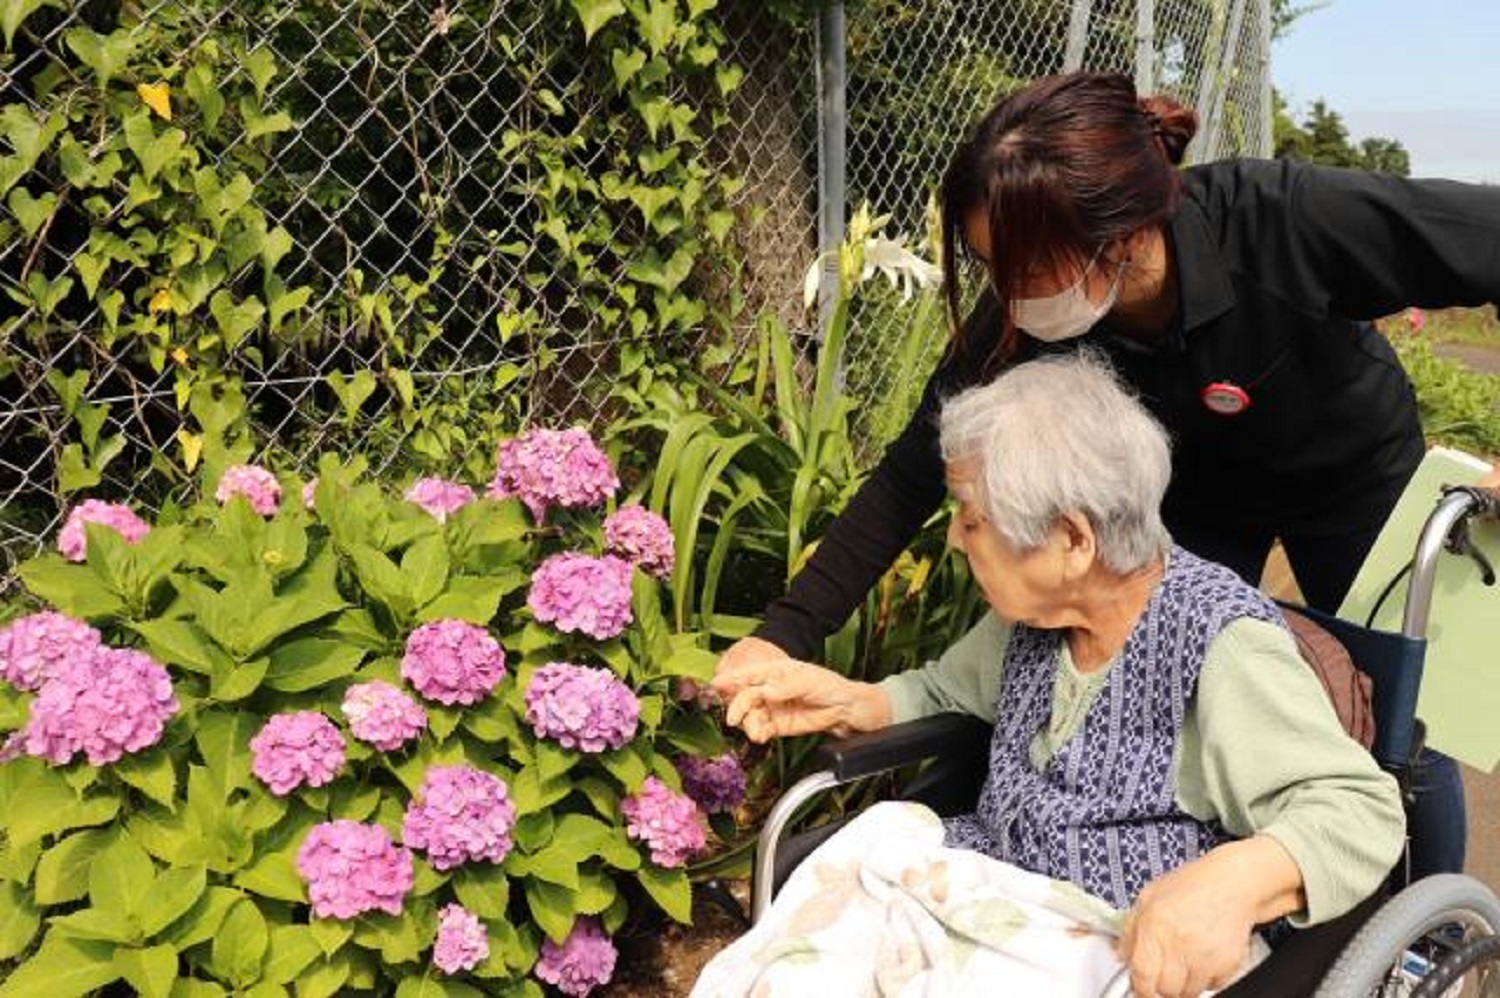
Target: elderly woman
(1158,744)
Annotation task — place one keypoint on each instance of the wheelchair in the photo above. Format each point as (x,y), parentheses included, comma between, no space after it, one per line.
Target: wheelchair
(1437,937)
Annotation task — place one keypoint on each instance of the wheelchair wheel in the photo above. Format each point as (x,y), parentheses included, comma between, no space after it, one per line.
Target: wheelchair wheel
(1412,936)
(1473,970)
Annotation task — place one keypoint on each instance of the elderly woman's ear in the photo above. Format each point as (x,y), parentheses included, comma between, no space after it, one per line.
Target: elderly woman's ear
(1077,545)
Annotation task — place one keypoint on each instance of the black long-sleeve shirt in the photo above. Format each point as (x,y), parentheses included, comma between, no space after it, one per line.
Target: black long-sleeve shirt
(1280,268)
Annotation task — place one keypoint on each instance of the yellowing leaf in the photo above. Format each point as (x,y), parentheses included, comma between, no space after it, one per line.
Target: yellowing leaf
(160,302)
(158,97)
(192,447)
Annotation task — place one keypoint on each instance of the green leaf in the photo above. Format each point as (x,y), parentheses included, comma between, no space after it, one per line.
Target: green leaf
(62,873)
(670,889)
(274,875)
(595,14)
(150,971)
(13,13)
(106,55)
(122,878)
(324,978)
(174,895)
(381,579)
(694,732)
(153,774)
(257,124)
(64,967)
(474,598)
(240,945)
(73,589)
(658,23)
(223,739)
(330,934)
(19,919)
(553,760)
(556,864)
(552,907)
(483,890)
(626,64)
(235,320)
(395,937)
(98,925)
(203,919)
(292,949)
(260,63)
(236,682)
(626,766)
(435,987)
(29,211)
(38,802)
(352,391)
(425,565)
(155,153)
(181,643)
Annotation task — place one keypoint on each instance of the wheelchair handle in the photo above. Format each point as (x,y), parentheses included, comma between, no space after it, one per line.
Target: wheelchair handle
(1443,524)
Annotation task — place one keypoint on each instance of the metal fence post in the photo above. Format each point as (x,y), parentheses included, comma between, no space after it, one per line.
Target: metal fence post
(832,162)
(1145,46)
(1214,124)
(1078,35)
(1266,144)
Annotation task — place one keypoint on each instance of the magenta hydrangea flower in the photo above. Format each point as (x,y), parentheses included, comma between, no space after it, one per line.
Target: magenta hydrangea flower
(296,748)
(72,540)
(715,784)
(584,961)
(253,482)
(453,661)
(642,538)
(577,593)
(669,823)
(462,942)
(115,702)
(382,715)
(553,468)
(351,868)
(460,814)
(581,708)
(439,496)
(35,648)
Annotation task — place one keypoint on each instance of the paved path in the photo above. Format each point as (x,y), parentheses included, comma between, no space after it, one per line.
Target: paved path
(1480,358)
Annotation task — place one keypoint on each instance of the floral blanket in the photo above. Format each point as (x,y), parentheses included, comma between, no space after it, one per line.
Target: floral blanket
(884,909)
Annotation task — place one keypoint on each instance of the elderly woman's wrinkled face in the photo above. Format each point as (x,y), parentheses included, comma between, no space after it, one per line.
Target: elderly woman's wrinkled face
(1021,586)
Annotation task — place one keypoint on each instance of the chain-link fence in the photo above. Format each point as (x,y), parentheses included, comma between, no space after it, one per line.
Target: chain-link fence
(399,276)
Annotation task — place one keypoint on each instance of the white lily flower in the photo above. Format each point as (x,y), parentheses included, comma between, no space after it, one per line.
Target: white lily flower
(869,251)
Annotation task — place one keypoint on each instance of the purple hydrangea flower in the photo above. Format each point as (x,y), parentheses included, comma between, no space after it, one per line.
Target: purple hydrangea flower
(584,961)
(715,784)
(581,708)
(115,702)
(642,538)
(37,647)
(72,540)
(462,942)
(460,814)
(553,468)
(452,661)
(669,823)
(382,715)
(577,593)
(296,748)
(351,868)
(255,483)
(439,496)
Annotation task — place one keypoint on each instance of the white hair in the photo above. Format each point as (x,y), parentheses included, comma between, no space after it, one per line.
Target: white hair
(1060,435)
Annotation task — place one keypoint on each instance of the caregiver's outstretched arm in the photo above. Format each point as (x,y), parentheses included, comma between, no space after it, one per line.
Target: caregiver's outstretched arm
(774,698)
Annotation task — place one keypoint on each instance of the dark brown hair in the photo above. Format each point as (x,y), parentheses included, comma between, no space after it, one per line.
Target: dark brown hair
(1062,168)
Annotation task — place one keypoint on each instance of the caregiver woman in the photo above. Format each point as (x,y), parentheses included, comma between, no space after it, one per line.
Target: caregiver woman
(1236,297)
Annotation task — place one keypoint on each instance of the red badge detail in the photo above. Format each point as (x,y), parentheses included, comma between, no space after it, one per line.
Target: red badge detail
(1225,398)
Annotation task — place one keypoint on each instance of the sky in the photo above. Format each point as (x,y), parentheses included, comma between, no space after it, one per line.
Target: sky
(1426,72)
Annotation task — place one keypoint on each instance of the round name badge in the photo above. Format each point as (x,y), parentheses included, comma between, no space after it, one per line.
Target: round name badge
(1225,398)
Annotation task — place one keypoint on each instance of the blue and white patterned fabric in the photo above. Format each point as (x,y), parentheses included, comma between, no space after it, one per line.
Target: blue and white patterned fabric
(1103,812)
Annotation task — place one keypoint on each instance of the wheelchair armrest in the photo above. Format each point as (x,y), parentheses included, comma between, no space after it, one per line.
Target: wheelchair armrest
(901,744)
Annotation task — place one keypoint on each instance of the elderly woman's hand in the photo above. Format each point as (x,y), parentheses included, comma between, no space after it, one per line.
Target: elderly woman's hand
(774,698)
(1190,928)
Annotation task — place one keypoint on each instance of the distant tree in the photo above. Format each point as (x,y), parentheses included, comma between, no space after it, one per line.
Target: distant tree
(1322,137)
(1385,155)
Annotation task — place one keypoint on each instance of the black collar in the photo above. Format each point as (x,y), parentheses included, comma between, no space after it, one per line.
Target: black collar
(1203,287)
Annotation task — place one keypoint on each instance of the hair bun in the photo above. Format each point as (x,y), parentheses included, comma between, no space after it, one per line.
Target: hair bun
(1174,123)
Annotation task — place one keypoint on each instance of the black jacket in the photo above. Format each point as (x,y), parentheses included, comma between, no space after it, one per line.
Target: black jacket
(1281,266)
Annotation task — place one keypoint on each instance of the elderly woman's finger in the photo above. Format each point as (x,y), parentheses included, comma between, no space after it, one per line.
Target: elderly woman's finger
(1145,967)
(731,680)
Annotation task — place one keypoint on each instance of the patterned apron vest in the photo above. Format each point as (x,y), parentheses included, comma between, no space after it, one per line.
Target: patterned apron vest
(1103,812)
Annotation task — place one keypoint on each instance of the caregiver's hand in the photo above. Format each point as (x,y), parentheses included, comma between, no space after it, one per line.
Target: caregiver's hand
(780,697)
(1190,929)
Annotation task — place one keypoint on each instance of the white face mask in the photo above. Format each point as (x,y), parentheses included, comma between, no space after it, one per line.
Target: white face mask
(1068,313)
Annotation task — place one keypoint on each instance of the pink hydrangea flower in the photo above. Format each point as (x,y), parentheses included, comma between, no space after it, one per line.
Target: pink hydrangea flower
(578,593)
(460,814)
(296,748)
(715,784)
(35,648)
(462,943)
(581,708)
(255,483)
(453,661)
(642,538)
(669,823)
(115,702)
(382,715)
(72,540)
(351,868)
(439,496)
(584,961)
(553,468)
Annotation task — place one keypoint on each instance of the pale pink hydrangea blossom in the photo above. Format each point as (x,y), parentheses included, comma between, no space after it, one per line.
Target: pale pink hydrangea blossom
(581,708)
(462,942)
(35,648)
(310,495)
(382,715)
(584,961)
(669,823)
(577,593)
(715,784)
(553,468)
(460,814)
(72,540)
(439,497)
(453,661)
(642,538)
(296,748)
(351,868)
(113,703)
(259,487)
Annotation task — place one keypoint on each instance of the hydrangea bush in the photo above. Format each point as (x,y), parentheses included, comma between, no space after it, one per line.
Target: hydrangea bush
(388,741)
